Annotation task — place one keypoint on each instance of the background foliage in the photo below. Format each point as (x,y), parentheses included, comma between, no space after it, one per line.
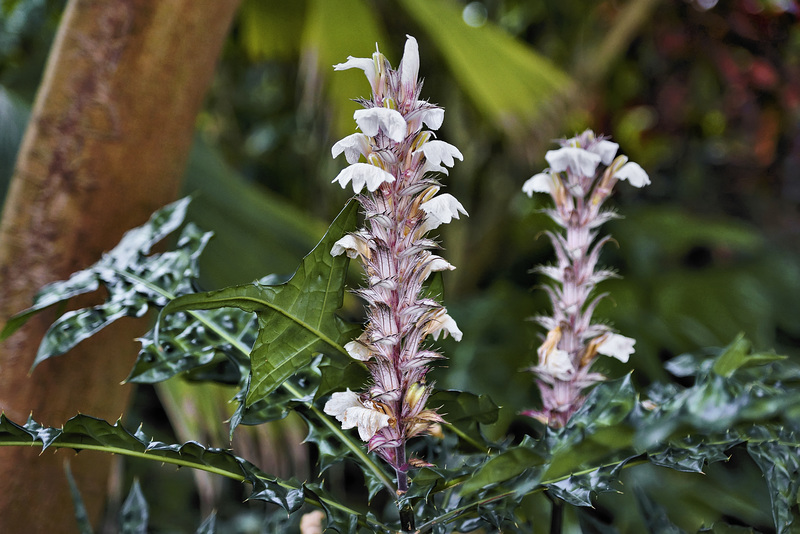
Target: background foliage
(706,100)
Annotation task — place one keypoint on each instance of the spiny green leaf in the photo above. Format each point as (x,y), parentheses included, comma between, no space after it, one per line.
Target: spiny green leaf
(134,280)
(296,319)
(577,489)
(777,454)
(188,341)
(692,453)
(134,514)
(88,433)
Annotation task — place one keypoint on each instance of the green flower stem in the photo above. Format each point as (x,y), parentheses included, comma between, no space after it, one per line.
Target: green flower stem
(354,447)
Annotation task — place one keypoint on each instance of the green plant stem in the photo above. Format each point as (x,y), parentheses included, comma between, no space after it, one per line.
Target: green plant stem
(355,448)
(77,445)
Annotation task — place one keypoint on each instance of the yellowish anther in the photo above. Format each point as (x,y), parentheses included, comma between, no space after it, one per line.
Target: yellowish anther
(421,138)
(429,193)
(591,350)
(376,160)
(414,394)
(550,344)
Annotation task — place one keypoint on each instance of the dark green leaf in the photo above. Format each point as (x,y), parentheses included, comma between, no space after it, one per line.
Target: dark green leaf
(81,516)
(84,432)
(188,341)
(777,454)
(577,489)
(465,411)
(134,514)
(503,467)
(296,319)
(692,453)
(655,516)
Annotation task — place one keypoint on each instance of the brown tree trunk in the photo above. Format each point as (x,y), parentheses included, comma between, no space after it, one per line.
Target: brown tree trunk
(106,145)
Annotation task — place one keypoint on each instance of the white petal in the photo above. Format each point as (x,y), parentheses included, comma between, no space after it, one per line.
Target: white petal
(433,117)
(606,150)
(346,407)
(558,364)
(389,121)
(340,402)
(353,146)
(437,152)
(634,174)
(538,183)
(579,160)
(352,245)
(365,64)
(445,325)
(362,174)
(617,346)
(433,263)
(409,65)
(441,210)
(358,351)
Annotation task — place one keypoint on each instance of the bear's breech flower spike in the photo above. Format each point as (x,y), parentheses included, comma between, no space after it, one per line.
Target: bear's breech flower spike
(391,164)
(573,341)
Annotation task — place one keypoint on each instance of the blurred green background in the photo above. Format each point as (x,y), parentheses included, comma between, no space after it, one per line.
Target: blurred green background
(705,96)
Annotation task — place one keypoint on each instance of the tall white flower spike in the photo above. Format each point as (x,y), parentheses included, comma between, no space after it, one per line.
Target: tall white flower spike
(393,158)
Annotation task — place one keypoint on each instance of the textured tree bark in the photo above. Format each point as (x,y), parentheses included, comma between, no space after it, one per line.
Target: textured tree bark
(106,145)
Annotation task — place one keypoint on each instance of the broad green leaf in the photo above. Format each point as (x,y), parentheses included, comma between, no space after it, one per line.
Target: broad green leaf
(296,319)
(692,453)
(134,514)
(505,79)
(503,467)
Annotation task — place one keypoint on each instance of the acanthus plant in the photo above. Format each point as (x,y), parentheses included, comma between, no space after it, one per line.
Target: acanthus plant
(573,341)
(397,161)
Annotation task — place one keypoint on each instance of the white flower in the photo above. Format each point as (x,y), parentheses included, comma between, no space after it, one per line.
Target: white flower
(605,149)
(365,64)
(353,146)
(634,174)
(433,117)
(438,152)
(346,407)
(581,161)
(388,121)
(444,324)
(557,364)
(441,210)
(353,245)
(358,351)
(538,183)
(409,66)
(362,174)
(617,346)
(434,263)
